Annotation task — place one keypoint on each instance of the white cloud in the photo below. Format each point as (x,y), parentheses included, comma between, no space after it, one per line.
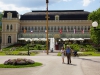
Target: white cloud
(4,6)
(87,2)
(27,6)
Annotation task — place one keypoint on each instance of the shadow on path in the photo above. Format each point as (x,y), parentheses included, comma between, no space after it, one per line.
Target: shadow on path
(70,64)
(90,60)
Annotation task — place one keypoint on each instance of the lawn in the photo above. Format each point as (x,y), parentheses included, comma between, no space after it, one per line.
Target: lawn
(85,54)
(17,53)
(91,53)
(20,66)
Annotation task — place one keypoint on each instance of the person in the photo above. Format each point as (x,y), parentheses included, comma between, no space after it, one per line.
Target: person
(68,54)
(52,50)
(62,54)
(75,53)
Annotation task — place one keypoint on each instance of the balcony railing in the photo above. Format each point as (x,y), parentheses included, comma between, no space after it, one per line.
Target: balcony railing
(53,34)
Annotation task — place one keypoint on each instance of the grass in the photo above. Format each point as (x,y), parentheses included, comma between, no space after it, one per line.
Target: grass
(59,54)
(20,66)
(85,54)
(91,53)
(17,53)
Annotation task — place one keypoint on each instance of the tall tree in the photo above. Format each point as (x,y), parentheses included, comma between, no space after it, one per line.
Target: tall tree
(95,34)
(1,15)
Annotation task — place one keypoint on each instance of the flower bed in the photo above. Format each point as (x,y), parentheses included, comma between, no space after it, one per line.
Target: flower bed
(19,61)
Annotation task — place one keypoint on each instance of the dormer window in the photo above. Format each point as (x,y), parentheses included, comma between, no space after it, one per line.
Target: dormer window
(9,15)
(57,17)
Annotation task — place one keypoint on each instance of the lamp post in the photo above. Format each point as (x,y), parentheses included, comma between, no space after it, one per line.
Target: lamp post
(95,25)
(28,47)
(28,41)
(47,1)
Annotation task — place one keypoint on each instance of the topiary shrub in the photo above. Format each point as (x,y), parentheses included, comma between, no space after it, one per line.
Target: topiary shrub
(19,61)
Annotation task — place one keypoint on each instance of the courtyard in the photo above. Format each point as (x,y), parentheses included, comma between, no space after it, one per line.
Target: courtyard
(52,65)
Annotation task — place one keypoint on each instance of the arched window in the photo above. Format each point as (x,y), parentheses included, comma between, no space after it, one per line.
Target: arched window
(9,39)
(57,17)
(11,27)
(7,27)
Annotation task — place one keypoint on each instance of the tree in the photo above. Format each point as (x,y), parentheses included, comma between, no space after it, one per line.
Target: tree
(95,34)
(1,15)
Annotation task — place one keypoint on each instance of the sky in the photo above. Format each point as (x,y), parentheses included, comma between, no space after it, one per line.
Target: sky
(24,6)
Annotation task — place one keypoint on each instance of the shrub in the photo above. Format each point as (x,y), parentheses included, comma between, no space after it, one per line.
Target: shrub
(19,61)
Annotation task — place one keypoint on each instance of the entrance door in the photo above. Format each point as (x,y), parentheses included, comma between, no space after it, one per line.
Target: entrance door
(57,47)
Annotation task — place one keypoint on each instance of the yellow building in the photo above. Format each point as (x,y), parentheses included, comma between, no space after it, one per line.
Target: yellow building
(65,25)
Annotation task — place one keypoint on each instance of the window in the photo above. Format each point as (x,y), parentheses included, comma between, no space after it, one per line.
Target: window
(55,28)
(32,28)
(11,27)
(28,28)
(35,28)
(85,28)
(51,28)
(22,28)
(25,28)
(38,28)
(9,15)
(58,28)
(7,27)
(68,28)
(71,27)
(57,17)
(81,27)
(45,27)
(42,28)
(88,27)
(48,28)
(9,39)
(65,28)
(78,28)
(75,27)
(61,28)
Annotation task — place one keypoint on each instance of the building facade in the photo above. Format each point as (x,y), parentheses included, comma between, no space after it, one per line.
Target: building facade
(62,24)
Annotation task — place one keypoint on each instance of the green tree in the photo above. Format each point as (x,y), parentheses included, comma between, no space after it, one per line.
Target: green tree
(95,34)
(1,15)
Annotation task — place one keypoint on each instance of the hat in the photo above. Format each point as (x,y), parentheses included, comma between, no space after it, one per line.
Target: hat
(68,46)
